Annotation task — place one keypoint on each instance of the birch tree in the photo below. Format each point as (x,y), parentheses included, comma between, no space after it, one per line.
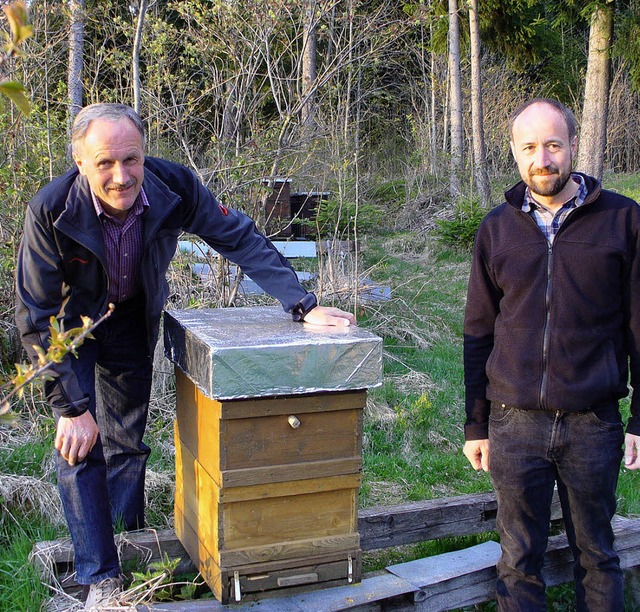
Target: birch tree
(76,54)
(309,65)
(479,152)
(455,103)
(595,109)
(143,5)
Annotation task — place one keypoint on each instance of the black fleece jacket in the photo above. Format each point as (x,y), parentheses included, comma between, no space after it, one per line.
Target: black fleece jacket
(554,327)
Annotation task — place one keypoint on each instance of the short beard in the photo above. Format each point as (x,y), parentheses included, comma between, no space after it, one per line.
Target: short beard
(550,188)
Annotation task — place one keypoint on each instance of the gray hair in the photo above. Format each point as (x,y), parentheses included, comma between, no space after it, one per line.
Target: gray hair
(106,112)
(566,113)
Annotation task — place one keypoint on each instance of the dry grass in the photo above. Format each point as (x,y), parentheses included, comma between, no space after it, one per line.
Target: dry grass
(396,319)
(378,411)
(385,493)
(413,382)
(29,496)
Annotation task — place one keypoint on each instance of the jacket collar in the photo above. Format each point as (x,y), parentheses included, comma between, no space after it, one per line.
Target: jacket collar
(79,218)
(515,195)
(162,201)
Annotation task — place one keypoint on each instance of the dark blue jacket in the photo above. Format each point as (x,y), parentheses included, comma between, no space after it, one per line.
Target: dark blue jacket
(62,257)
(554,328)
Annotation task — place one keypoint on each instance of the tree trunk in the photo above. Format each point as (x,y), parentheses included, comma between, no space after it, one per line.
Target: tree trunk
(309,66)
(76,52)
(456,99)
(479,151)
(593,132)
(135,55)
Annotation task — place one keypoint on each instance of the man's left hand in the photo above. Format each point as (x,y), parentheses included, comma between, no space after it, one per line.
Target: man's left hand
(328,315)
(632,452)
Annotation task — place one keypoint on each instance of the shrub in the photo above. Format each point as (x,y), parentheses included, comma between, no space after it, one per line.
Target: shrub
(460,231)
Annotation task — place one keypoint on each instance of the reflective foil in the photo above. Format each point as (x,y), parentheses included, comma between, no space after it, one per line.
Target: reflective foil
(233,353)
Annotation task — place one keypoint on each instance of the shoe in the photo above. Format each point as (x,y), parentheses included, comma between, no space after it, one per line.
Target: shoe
(103,593)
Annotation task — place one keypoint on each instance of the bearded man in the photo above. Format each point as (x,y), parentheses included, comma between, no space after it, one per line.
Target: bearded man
(552,330)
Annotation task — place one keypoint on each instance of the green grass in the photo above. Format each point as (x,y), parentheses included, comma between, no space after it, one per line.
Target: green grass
(20,586)
(626,184)
(413,432)
(420,441)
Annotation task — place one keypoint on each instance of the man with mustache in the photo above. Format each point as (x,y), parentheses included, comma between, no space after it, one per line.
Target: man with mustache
(105,232)
(552,330)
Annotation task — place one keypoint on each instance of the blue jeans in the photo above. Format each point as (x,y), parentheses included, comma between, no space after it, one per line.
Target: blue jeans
(530,451)
(107,488)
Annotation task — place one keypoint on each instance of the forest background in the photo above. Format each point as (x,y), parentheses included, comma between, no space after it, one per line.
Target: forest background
(397,110)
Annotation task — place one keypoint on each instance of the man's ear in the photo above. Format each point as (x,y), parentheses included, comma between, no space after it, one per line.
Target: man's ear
(574,146)
(513,150)
(78,162)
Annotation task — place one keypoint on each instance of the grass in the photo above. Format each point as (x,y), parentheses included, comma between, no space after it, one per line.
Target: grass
(413,433)
(20,586)
(417,438)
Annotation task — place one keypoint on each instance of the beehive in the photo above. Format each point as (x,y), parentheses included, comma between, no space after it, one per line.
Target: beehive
(269,447)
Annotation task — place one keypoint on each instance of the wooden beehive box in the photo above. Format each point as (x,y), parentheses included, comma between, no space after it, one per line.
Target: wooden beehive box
(267,483)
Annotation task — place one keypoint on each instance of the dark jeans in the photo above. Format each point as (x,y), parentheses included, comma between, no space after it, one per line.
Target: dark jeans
(531,450)
(107,489)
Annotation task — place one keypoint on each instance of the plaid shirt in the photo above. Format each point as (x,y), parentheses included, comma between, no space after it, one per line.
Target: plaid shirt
(548,221)
(123,241)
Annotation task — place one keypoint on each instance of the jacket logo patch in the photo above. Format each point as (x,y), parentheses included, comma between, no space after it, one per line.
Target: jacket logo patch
(223,209)
(79,260)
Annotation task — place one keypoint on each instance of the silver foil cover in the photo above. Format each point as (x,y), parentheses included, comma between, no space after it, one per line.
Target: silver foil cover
(233,353)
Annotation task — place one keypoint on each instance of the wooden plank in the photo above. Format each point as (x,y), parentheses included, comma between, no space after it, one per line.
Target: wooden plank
(267,522)
(467,577)
(298,549)
(292,404)
(190,475)
(378,527)
(373,592)
(196,498)
(439,568)
(265,406)
(558,566)
(289,472)
(383,527)
(271,440)
(384,588)
(272,528)
(266,476)
(322,573)
(204,559)
(317,509)
(195,424)
(284,489)
(325,444)
(452,580)
(329,568)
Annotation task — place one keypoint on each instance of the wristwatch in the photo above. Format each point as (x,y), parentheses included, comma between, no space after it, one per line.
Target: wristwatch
(304,306)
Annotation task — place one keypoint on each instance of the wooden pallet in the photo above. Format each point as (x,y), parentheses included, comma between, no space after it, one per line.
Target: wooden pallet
(442,582)
(379,528)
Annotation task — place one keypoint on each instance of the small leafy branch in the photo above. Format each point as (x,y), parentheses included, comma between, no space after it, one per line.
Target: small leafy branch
(156,583)
(20,30)
(61,344)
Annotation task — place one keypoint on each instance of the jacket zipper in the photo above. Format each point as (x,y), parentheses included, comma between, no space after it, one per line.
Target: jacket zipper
(546,337)
(547,330)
